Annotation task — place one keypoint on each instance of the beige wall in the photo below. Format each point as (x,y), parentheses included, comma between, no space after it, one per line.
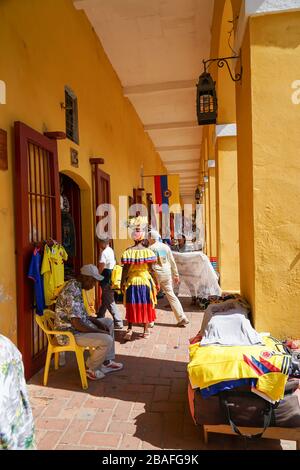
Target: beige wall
(45,45)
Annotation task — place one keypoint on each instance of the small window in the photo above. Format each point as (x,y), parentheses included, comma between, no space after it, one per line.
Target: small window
(71,108)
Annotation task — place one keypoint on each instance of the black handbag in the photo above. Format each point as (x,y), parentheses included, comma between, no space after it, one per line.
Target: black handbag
(244,408)
(241,407)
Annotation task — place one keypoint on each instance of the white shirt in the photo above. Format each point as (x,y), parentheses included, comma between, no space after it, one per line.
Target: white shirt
(108,258)
(165,265)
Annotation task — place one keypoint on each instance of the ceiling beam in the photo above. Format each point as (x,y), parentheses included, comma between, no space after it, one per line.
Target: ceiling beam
(171,125)
(178,147)
(180,162)
(188,179)
(189,173)
(159,87)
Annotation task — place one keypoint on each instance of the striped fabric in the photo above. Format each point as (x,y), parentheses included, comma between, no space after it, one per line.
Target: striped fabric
(138,295)
(166,189)
(132,256)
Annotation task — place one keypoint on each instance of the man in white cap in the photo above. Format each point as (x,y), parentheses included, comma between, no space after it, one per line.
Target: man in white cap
(96,333)
(166,270)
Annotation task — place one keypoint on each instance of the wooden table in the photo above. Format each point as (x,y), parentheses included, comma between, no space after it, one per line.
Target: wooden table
(289,434)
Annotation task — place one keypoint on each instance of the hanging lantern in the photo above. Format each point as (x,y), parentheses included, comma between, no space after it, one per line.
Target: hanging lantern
(207,103)
(198,195)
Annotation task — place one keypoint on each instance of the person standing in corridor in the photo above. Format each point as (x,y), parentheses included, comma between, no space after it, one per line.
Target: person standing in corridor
(166,270)
(107,263)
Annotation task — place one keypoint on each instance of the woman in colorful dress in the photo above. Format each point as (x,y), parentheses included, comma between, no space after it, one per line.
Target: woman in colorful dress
(138,285)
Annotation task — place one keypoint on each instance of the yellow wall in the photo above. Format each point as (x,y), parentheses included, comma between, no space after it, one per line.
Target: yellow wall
(275,58)
(227,213)
(45,45)
(245,175)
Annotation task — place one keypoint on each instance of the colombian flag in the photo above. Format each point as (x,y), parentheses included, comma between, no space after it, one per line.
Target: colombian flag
(167,190)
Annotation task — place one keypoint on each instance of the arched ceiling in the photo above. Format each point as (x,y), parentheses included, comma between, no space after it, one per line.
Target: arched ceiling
(156,47)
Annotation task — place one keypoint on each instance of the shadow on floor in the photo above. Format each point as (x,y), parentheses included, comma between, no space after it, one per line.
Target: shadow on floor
(158,388)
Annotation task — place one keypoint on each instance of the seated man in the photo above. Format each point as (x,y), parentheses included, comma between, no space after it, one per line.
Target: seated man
(71,315)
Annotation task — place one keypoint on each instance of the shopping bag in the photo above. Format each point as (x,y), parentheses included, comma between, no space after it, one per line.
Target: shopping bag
(116,277)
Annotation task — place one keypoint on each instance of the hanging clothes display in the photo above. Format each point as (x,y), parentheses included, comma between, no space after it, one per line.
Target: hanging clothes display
(34,273)
(53,270)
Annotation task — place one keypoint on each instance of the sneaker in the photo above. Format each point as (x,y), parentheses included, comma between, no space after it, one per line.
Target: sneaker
(94,374)
(118,326)
(183,322)
(151,325)
(111,367)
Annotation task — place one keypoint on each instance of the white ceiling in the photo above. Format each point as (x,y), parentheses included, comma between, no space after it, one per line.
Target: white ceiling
(156,47)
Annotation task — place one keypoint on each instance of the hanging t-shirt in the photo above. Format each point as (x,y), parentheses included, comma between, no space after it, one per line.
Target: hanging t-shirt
(53,270)
(34,273)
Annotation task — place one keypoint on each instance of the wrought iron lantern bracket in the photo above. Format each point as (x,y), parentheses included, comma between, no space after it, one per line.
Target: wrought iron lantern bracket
(221,61)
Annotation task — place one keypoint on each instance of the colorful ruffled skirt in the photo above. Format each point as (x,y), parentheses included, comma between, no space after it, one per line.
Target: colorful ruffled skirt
(140,297)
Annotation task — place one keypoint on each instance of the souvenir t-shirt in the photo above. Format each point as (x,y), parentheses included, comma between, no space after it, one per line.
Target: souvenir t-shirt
(53,270)
(34,273)
(268,364)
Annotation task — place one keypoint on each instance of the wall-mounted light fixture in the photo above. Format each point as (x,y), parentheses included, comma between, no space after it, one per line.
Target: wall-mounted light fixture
(221,61)
(198,195)
(207,102)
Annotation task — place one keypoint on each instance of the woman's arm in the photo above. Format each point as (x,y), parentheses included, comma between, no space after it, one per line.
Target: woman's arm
(124,275)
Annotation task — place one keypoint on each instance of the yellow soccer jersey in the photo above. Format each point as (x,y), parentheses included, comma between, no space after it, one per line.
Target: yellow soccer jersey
(268,364)
(53,270)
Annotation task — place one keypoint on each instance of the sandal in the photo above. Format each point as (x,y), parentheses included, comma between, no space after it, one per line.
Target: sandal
(146,334)
(128,335)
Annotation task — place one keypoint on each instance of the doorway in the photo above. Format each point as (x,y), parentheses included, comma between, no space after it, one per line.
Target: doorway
(37,218)
(71,234)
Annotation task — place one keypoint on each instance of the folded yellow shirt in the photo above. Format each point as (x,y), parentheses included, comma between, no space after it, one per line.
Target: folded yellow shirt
(268,364)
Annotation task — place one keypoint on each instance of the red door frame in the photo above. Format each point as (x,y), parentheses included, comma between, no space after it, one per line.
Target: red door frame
(99,197)
(23,136)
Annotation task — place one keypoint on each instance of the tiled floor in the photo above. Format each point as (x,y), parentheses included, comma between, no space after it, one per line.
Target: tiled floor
(144,406)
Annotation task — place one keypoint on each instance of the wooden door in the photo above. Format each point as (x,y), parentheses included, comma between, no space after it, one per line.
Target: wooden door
(101,195)
(37,211)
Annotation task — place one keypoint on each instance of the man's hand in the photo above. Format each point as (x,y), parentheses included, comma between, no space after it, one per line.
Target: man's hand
(176,280)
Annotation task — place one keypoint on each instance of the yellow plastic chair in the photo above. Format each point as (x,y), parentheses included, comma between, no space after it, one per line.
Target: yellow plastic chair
(46,323)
